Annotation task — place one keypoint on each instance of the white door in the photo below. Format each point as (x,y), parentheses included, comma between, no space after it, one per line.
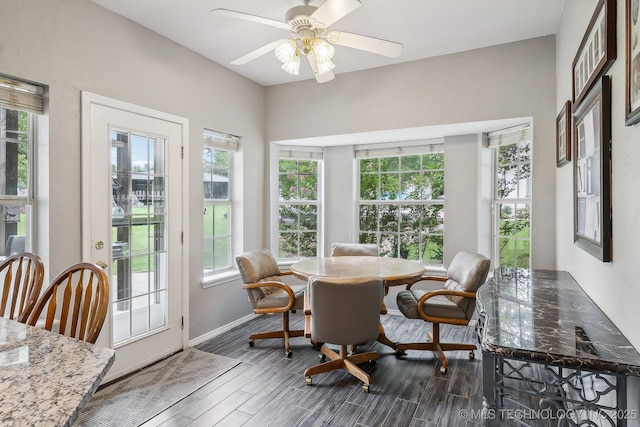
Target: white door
(133,182)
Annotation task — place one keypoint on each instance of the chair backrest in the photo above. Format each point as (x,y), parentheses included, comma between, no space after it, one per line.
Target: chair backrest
(22,275)
(354,249)
(345,311)
(467,272)
(255,266)
(76,302)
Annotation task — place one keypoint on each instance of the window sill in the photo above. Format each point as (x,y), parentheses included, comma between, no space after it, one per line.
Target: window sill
(220,279)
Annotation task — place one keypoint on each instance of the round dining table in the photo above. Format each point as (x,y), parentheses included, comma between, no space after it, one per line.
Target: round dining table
(395,271)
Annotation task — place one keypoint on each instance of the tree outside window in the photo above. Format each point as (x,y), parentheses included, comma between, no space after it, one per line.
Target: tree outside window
(401,206)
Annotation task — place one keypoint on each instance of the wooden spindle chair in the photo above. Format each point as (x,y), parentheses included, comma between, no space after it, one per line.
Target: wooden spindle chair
(76,302)
(22,275)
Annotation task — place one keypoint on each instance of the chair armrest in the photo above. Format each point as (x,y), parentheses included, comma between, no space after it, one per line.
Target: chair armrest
(425,278)
(286,273)
(307,315)
(272,284)
(432,294)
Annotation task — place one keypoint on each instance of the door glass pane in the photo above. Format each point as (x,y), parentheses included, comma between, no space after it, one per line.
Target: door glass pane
(139,267)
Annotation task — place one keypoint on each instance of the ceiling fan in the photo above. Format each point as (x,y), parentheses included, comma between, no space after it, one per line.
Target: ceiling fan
(309,27)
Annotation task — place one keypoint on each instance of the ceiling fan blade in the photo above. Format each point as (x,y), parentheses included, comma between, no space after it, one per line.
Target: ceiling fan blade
(366,43)
(257,53)
(252,18)
(320,78)
(333,10)
(369,44)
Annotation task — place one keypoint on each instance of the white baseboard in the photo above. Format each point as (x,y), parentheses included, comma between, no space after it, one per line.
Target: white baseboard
(221,330)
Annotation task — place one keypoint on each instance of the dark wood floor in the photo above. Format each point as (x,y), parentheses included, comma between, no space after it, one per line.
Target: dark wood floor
(269,389)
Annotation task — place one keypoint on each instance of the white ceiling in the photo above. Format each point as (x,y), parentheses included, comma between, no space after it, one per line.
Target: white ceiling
(426,28)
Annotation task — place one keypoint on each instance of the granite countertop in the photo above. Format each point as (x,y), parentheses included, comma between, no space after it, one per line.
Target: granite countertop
(545,316)
(46,378)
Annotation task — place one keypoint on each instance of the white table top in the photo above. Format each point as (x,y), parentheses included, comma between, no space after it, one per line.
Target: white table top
(46,378)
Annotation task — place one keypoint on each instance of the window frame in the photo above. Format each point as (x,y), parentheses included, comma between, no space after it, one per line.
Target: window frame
(299,154)
(219,141)
(29,199)
(498,139)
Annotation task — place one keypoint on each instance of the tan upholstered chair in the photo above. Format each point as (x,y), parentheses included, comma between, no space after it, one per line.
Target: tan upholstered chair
(343,312)
(76,302)
(453,304)
(22,275)
(271,291)
(354,249)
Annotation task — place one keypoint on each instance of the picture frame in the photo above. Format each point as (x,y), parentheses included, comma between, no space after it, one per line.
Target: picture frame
(632,54)
(563,135)
(597,50)
(592,171)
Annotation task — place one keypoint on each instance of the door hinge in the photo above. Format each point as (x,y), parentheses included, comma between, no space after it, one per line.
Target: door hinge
(182,237)
(182,152)
(182,322)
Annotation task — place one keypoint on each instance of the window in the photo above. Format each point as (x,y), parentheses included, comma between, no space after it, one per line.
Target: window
(299,203)
(217,165)
(401,203)
(512,196)
(19,105)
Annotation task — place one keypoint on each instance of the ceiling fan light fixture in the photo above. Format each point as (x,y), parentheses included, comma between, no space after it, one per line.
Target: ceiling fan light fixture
(325,65)
(287,51)
(292,66)
(324,51)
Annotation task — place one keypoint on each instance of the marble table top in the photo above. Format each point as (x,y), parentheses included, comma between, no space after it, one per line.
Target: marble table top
(545,316)
(395,271)
(46,378)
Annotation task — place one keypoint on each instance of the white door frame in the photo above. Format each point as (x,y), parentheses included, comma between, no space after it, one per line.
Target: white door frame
(88,100)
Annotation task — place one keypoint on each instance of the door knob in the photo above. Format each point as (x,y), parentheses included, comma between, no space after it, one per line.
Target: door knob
(102,264)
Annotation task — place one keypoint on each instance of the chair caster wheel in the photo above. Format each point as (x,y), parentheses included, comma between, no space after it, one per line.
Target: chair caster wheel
(323,358)
(472,355)
(443,370)
(365,387)
(399,354)
(308,381)
(251,343)
(373,362)
(288,354)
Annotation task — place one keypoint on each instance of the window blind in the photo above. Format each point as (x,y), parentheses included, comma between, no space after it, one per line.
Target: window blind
(301,153)
(399,149)
(511,135)
(221,140)
(15,95)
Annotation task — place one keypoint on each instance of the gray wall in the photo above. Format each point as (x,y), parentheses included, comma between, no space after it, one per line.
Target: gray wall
(499,82)
(75,45)
(614,286)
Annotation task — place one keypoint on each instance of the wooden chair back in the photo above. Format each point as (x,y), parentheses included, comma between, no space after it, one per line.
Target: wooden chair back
(76,302)
(22,275)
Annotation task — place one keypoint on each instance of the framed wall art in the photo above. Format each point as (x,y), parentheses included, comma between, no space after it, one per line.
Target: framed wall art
(563,135)
(632,107)
(597,50)
(592,171)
